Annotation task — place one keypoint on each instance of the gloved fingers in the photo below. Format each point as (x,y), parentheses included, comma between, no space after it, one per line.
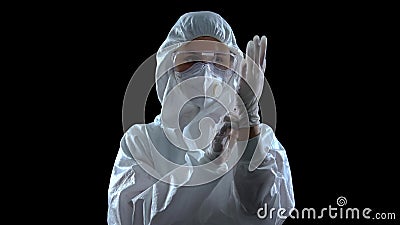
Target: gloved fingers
(256,41)
(249,59)
(221,138)
(227,118)
(228,124)
(263,52)
(224,131)
(217,147)
(254,77)
(244,76)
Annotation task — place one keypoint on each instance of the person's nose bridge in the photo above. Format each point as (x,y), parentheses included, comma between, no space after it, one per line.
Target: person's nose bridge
(208,69)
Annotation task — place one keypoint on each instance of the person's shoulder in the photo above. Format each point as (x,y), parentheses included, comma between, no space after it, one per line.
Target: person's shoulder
(137,138)
(142,130)
(268,138)
(265,129)
(136,129)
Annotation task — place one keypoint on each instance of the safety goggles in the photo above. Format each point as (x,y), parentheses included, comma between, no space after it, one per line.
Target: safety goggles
(183,60)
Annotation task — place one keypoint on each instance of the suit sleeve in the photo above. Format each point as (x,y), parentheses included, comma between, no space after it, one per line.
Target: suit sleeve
(127,181)
(263,176)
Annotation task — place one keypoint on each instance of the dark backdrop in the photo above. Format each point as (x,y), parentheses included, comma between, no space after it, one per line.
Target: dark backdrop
(330,71)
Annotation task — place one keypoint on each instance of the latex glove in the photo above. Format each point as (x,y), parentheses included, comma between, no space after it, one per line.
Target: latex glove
(223,141)
(252,80)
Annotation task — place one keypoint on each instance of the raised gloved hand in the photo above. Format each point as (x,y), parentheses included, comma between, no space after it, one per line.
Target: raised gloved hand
(252,80)
(250,90)
(223,140)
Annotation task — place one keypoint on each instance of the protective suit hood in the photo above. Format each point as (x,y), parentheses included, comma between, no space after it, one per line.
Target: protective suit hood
(188,27)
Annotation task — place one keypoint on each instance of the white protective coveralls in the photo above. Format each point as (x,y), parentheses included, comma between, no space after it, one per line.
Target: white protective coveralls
(144,191)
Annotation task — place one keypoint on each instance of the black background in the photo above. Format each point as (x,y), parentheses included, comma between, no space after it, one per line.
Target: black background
(330,68)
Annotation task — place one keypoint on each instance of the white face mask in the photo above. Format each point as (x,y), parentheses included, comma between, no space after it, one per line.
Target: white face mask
(204,80)
(200,92)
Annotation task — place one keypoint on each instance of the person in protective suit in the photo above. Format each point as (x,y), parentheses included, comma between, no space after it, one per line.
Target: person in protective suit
(206,158)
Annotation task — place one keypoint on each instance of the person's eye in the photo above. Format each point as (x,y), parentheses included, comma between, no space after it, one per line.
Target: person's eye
(219,59)
(222,60)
